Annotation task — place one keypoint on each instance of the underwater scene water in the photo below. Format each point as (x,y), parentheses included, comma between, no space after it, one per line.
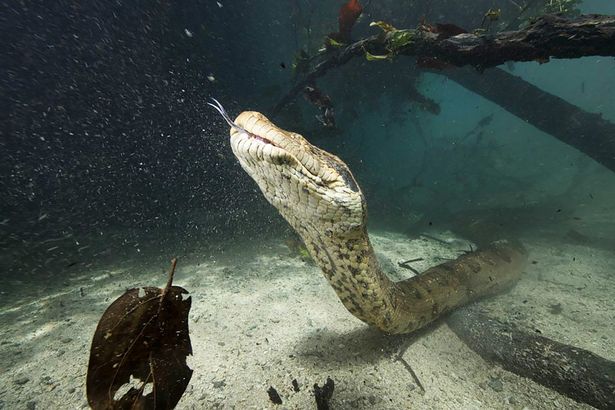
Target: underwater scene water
(484,277)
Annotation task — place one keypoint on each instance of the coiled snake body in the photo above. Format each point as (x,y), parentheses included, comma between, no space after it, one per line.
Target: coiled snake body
(317,194)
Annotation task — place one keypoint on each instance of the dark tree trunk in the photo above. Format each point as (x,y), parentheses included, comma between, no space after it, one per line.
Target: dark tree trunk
(574,372)
(587,132)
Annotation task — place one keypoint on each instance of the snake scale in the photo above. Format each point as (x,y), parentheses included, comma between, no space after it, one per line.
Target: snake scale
(319,197)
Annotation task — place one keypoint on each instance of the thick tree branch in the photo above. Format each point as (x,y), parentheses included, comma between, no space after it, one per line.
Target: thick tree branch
(585,131)
(549,36)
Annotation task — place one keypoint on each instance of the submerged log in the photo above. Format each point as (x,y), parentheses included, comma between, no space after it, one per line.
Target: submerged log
(574,372)
(585,131)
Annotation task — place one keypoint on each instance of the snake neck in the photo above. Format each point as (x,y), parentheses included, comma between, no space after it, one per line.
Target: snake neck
(350,265)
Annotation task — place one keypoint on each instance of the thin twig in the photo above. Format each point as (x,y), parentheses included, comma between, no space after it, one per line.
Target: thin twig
(405,265)
(410,268)
(169,283)
(411,260)
(171,273)
(400,358)
(433,238)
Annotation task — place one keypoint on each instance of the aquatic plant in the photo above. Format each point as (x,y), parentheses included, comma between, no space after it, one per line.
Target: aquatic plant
(395,40)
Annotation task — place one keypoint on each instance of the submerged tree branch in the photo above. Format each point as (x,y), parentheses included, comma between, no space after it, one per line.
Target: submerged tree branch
(336,60)
(549,36)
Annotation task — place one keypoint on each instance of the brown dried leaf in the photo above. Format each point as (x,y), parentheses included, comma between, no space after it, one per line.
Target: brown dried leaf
(139,350)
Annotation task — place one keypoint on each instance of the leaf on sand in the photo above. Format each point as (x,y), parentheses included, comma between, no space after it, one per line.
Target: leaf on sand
(139,350)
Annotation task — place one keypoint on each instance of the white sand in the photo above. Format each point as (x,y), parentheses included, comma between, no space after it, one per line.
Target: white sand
(262,318)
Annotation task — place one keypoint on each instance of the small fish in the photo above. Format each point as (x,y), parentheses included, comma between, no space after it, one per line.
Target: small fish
(485,121)
(211,78)
(188,33)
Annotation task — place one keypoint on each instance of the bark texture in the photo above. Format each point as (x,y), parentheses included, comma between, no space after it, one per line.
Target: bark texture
(577,373)
(549,36)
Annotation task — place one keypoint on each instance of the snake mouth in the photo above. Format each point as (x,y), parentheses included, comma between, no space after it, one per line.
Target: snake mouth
(257,139)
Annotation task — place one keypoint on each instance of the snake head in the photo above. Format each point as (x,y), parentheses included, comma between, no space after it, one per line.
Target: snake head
(310,187)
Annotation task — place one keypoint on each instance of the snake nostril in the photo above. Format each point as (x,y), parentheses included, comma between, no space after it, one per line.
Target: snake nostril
(280,160)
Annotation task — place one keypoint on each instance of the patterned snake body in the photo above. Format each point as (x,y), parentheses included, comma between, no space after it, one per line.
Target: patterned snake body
(318,195)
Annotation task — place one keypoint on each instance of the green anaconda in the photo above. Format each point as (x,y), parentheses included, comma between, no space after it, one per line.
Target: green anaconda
(318,195)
